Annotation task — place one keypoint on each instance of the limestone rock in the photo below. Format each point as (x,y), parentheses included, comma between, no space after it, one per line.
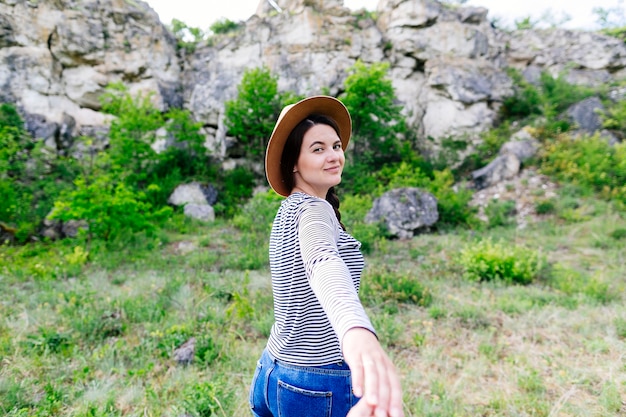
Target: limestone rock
(203,212)
(193,193)
(404,211)
(586,115)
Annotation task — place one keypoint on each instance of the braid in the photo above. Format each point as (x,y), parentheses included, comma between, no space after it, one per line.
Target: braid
(333,199)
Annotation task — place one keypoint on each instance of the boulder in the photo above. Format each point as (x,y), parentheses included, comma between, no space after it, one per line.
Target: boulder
(193,193)
(203,212)
(586,115)
(404,211)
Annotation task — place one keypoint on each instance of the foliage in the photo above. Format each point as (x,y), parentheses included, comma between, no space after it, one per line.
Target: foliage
(489,261)
(500,213)
(201,399)
(257,214)
(109,208)
(611,17)
(353,209)
(377,121)
(251,116)
(131,157)
(589,162)
(31,176)
(380,286)
(550,96)
(124,189)
(235,187)
(187,37)
(615,119)
(223,26)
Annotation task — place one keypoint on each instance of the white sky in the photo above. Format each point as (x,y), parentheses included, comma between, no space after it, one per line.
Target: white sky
(202,14)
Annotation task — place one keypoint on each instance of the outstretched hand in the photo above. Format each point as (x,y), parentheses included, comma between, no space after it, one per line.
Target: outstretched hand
(374,377)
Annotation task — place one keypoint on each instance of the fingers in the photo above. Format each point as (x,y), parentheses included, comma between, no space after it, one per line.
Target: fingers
(361,409)
(382,396)
(357,378)
(374,378)
(372,381)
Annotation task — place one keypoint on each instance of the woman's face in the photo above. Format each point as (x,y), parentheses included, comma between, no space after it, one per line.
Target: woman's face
(321,161)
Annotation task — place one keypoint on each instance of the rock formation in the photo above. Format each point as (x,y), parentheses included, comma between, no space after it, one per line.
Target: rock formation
(448,64)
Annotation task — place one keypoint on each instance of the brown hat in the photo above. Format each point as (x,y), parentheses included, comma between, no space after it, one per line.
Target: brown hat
(289,118)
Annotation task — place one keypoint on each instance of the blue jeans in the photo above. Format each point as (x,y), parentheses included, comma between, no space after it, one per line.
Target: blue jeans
(280,389)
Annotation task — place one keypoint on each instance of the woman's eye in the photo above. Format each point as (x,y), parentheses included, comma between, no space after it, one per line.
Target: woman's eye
(337,146)
(317,150)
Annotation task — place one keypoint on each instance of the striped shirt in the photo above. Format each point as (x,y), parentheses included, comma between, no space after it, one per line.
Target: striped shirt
(316,271)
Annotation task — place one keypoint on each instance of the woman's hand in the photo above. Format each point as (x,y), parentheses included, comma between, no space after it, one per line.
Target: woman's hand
(374,378)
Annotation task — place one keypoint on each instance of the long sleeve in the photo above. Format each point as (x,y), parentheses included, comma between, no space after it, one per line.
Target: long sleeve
(327,272)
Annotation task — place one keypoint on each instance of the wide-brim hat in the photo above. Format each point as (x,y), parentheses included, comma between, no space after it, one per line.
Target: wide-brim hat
(289,118)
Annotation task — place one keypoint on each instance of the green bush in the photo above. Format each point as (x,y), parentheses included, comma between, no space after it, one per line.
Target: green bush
(258,213)
(615,118)
(110,210)
(377,122)
(589,163)
(548,98)
(545,206)
(224,26)
(572,282)
(354,208)
(619,234)
(31,177)
(202,399)
(187,37)
(488,261)
(251,116)
(384,285)
(235,187)
(500,213)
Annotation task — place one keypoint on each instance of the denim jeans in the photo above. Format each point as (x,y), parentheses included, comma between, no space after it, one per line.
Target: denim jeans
(280,389)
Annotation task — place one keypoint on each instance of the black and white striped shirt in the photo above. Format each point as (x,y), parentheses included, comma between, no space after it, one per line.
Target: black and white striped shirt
(316,271)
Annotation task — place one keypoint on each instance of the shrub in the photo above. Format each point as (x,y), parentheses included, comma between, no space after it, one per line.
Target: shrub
(187,37)
(234,189)
(258,213)
(590,163)
(548,98)
(251,116)
(354,208)
(110,210)
(383,285)
(488,261)
(500,213)
(31,177)
(224,26)
(202,399)
(377,122)
(572,282)
(619,234)
(545,206)
(615,118)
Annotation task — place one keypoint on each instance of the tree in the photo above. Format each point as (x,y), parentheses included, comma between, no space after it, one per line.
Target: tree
(251,116)
(377,121)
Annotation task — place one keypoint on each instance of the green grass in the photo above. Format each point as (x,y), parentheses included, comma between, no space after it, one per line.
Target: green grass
(95,335)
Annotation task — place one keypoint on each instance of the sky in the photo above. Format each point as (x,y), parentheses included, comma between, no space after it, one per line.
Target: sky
(202,14)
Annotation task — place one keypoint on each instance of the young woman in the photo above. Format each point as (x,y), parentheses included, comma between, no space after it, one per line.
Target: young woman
(322,354)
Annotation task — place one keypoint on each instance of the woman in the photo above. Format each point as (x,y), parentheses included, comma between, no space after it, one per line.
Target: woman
(322,354)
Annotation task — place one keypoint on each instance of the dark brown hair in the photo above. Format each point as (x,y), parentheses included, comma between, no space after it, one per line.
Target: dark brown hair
(291,152)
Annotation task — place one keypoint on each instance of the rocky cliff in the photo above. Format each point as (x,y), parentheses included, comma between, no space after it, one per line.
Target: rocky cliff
(448,65)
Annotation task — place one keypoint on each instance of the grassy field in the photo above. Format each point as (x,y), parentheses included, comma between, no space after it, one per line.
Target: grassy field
(95,335)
